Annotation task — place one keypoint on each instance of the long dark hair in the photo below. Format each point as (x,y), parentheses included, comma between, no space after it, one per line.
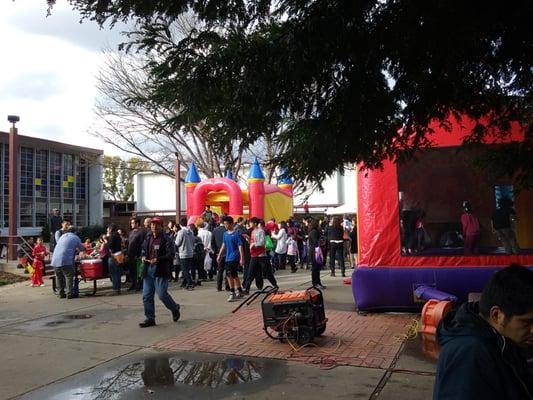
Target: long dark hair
(335,223)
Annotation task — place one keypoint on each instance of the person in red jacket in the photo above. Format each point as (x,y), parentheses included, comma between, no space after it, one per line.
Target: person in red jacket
(470,225)
(39,253)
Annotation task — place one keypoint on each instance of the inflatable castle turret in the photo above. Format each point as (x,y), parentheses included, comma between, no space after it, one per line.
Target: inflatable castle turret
(191,181)
(284,181)
(256,190)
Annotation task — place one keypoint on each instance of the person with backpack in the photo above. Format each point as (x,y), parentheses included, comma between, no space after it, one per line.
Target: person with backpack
(198,259)
(185,247)
(268,270)
(471,230)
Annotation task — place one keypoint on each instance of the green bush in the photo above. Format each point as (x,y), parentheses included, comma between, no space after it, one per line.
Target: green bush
(92,232)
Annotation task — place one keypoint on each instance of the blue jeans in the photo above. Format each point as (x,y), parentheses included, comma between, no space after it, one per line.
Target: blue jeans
(152,285)
(115,271)
(187,266)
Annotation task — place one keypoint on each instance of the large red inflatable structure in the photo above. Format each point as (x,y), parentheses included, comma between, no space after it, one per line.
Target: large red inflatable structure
(386,278)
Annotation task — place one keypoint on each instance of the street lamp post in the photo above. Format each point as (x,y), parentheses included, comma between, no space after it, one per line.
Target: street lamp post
(12,187)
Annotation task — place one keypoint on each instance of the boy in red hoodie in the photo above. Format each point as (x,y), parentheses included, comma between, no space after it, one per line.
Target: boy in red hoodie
(39,252)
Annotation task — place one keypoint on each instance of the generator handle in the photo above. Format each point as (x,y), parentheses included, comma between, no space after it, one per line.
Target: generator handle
(267,290)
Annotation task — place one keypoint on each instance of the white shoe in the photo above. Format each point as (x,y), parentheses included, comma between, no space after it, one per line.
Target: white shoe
(41,285)
(233,297)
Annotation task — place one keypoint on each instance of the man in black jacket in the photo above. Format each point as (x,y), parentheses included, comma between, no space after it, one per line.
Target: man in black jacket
(483,343)
(135,241)
(157,255)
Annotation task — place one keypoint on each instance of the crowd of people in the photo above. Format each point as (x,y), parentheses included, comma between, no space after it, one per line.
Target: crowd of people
(235,253)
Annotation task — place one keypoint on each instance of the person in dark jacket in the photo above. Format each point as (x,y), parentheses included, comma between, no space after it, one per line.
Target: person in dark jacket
(314,243)
(135,241)
(481,355)
(157,255)
(336,246)
(114,244)
(216,243)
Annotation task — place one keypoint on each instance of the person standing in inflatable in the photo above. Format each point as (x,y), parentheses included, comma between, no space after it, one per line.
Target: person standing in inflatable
(471,231)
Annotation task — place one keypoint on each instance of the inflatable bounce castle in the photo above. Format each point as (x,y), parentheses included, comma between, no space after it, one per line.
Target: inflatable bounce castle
(388,277)
(224,195)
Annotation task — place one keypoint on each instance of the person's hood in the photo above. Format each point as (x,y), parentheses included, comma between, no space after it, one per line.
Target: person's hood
(465,321)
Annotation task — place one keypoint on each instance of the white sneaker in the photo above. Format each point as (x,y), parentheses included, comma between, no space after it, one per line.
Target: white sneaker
(232,297)
(41,285)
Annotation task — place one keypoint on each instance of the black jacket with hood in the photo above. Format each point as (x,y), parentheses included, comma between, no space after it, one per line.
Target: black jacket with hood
(165,255)
(476,362)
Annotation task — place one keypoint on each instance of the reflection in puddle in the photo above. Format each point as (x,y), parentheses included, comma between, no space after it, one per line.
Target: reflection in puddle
(55,323)
(164,371)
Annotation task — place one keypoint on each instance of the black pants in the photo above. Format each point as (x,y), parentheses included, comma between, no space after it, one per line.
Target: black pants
(255,271)
(336,251)
(267,271)
(132,271)
(282,260)
(221,271)
(292,262)
(315,272)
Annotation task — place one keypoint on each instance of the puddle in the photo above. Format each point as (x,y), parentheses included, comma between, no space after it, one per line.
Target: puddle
(79,316)
(165,376)
(55,323)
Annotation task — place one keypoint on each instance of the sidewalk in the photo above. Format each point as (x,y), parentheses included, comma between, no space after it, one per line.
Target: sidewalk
(53,348)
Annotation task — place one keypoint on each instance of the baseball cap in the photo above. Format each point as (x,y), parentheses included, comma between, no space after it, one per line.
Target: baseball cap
(156,220)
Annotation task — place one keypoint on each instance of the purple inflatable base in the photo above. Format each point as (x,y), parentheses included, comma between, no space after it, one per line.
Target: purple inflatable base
(391,288)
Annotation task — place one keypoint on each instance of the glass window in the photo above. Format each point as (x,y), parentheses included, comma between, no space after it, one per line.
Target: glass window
(81,213)
(26,211)
(67,211)
(41,212)
(26,171)
(41,169)
(81,174)
(68,176)
(55,175)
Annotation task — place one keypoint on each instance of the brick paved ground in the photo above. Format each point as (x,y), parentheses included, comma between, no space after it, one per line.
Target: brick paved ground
(350,339)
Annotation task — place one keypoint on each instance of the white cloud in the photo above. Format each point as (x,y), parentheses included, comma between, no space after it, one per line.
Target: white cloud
(48,71)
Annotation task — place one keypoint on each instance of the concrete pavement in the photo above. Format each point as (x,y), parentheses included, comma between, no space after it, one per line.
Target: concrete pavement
(51,348)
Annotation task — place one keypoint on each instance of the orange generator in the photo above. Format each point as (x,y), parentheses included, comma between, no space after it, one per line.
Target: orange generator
(296,315)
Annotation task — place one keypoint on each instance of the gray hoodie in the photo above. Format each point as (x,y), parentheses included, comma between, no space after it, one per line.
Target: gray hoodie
(185,243)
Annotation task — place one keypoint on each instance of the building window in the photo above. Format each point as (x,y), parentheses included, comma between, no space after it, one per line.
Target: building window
(41,170)
(68,177)
(26,211)
(41,212)
(55,176)
(26,172)
(81,179)
(81,213)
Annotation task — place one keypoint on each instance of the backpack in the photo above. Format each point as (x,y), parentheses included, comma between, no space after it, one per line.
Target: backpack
(268,243)
(199,251)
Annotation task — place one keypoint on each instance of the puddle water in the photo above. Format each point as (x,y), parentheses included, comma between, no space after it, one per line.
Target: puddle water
(163,375)
(79,316)
(55,323)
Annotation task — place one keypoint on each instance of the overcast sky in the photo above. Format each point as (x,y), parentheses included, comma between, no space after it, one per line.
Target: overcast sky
(47,71)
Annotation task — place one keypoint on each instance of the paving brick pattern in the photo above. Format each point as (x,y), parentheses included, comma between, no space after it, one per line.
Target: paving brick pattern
(350,339)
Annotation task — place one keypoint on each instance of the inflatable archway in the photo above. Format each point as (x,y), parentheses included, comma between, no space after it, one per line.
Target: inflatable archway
(386,279)
(261,200)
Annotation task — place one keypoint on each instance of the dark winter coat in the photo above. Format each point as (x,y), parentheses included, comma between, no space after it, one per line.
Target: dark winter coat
(476,362)
(165,255)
